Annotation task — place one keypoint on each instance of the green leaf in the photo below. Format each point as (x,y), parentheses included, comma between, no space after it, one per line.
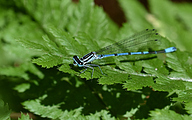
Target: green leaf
(188,107)
(43,13)
(4,110)
(91,19)
(48,60)
(88,43)
(54,52)
(24,117)
(165,114)
(33,45)
(20,71)
(54,31)
(165,84)
(184,95)
(177,62)
(22,87)
(53,112)
(103,114)
(67,69)
(65,40)
(170,19)
(45,111)
(135,14)
(138,82)
(113,78)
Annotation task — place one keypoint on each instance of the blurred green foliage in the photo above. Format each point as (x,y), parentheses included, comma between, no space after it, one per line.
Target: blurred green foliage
(39,38)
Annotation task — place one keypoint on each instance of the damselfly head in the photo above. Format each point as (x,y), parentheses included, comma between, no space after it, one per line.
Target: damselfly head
(77,61)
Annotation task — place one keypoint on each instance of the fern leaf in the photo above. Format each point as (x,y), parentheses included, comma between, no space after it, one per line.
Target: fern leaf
(24,117)
(52,112)
(167,114)
(4,110)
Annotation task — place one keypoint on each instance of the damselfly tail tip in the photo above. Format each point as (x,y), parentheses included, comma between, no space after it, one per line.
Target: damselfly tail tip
(174,48)
(170,49)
